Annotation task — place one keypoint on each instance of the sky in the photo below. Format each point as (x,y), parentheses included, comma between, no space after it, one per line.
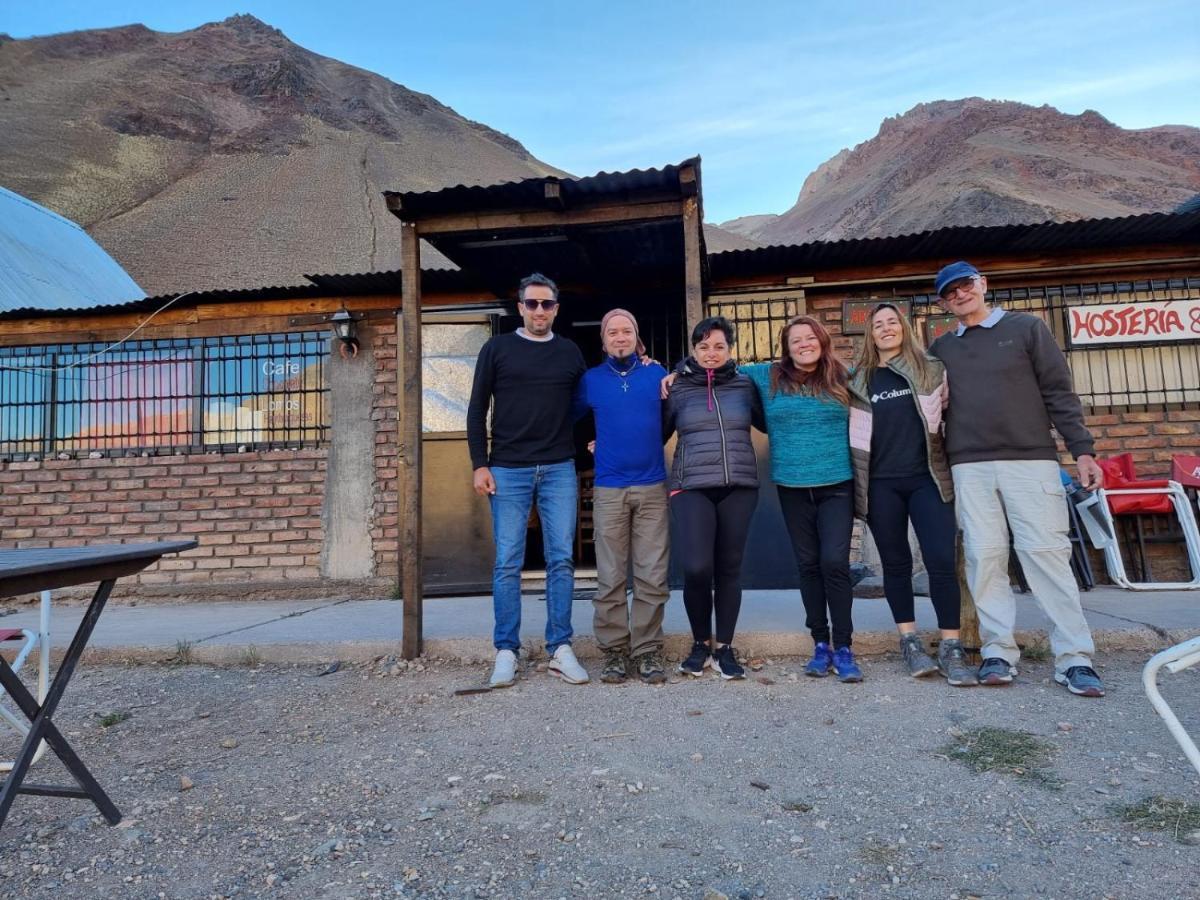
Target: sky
(763,91)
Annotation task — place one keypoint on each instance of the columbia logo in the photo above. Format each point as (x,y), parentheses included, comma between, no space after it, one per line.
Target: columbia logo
(891,395)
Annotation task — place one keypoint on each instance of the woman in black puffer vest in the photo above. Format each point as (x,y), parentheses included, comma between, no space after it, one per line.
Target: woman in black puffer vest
(714,489)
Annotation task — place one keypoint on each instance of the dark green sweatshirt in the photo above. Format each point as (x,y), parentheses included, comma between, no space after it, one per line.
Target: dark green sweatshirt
(1008,385)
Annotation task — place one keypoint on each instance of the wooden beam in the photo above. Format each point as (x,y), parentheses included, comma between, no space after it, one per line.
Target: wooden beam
(693,289)
(596,215)
(688,183)
(212,319)
(408,374)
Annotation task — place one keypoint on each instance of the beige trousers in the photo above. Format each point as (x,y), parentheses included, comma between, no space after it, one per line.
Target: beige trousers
(631,524)
(1026,496)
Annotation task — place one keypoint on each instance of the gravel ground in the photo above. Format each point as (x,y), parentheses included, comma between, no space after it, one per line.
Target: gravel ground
(380,782)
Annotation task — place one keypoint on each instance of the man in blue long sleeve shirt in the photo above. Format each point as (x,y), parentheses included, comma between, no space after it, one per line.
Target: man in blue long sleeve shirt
(630,511)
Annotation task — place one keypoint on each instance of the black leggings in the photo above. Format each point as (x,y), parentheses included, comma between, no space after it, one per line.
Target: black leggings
(819,521)
(711,525)
(891,503)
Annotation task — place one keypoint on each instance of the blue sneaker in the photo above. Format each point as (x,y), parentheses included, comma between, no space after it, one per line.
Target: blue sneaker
(1081,680)
(845,666)
(821,663)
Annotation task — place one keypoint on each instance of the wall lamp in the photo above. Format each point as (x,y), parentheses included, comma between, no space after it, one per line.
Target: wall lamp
(344,328)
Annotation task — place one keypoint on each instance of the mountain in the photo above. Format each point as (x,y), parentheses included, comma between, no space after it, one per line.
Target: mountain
(719,238)
(227,156)
(985,162)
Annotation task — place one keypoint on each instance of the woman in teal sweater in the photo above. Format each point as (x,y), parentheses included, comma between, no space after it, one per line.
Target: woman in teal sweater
(807,404)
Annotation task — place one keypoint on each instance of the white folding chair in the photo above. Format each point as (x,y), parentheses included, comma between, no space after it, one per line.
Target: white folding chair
(1173,659)
(40,641)
(1104,539)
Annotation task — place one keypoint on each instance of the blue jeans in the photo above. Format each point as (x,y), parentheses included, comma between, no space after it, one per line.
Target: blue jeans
(555,490)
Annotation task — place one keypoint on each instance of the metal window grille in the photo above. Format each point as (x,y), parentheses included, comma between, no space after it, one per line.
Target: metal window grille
(1129,376)
(758,320)
(166,396)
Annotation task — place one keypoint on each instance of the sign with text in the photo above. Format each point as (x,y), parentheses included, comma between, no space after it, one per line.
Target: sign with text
(855,313)
(1129,323)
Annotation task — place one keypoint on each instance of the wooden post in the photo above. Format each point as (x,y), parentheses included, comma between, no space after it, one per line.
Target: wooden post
(968,615)
(693,296)
(408,482)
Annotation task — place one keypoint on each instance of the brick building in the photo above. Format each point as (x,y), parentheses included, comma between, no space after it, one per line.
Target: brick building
(234,417)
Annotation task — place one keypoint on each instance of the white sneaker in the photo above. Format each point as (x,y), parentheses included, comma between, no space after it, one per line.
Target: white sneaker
(505,672)
(564,664)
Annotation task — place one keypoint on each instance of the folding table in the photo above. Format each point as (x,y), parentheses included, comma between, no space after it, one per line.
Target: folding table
(29,571)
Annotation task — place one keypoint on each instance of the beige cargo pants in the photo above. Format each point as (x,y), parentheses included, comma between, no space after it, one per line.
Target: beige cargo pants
(1027,497)
(632,524)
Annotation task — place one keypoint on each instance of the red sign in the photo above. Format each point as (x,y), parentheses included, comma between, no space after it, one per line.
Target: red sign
(1128,323)
(855,313)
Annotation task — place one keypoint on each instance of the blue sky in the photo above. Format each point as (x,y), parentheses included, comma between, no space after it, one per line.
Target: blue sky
(764,91)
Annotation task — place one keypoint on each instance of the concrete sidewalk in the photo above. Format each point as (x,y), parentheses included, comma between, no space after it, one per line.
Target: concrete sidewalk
(771,624)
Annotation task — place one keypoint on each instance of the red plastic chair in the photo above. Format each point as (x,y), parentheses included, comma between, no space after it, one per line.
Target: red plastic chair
(1119,474)
(1186,470)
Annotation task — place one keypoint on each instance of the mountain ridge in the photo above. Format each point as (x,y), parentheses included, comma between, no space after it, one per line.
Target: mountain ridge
(980,162)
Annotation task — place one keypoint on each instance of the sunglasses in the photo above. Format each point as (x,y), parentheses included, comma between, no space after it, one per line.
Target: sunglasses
(547,305)
(963,284)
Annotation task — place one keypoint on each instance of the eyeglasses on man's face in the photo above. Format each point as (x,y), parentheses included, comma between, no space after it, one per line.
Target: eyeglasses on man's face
(963,284)
(531,304)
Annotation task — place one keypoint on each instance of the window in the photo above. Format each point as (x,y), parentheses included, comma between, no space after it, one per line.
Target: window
(178,394)
(758,318)
(449,351)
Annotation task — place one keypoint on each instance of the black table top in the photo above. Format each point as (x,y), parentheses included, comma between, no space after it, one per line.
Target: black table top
(42,560)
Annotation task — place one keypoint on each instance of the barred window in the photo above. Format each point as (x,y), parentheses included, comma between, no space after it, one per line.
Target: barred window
(758,317)
(170,395)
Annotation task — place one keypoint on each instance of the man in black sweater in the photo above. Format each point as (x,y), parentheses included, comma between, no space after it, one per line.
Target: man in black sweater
(528,378)
(1009,383)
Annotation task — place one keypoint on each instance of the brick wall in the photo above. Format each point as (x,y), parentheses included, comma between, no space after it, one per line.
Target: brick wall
(1152,437)
(256,516)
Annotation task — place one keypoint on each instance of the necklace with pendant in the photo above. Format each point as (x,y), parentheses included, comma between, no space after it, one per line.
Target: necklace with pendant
(624,375)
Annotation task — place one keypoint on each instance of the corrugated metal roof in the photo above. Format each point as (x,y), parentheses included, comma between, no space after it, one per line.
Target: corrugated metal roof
(49,263)
(947,244)
(530,193)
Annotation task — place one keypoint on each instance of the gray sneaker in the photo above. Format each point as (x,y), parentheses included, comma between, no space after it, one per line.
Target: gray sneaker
(996,671)
(952,664)
(1081,680)
(650,667)
(918,661)
(616,667)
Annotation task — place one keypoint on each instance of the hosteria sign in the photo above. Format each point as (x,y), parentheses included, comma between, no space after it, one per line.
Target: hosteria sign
(1128,323)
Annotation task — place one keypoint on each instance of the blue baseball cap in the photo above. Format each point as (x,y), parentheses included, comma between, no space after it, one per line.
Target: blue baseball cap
(953,272)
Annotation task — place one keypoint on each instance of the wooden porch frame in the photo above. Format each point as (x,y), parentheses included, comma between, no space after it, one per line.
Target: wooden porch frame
(408,336)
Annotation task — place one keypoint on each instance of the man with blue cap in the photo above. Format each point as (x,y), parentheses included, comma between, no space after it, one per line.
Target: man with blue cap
(1009,384)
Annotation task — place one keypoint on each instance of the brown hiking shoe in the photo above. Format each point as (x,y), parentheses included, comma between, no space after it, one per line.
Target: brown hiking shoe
(616,667)
(650,667)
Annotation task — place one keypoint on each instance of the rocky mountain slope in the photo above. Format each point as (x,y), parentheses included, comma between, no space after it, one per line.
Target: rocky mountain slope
(983,162)
(228,156)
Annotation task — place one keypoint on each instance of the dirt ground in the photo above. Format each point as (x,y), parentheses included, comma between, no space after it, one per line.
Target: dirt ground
(380,782)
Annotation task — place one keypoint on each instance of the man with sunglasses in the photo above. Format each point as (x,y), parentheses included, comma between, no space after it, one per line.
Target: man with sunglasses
(528,377)
(1009,383)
